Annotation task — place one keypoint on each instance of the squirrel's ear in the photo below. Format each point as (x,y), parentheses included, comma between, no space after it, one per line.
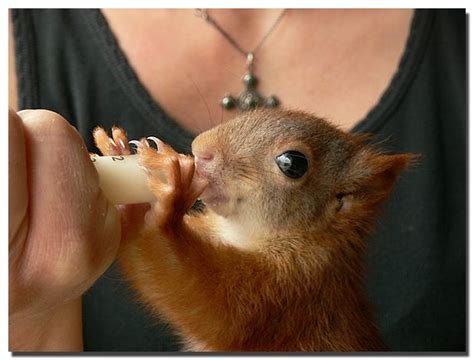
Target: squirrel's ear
(372,175)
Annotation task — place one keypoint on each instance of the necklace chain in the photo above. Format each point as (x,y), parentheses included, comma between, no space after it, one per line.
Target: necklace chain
(249,98)
(203,13)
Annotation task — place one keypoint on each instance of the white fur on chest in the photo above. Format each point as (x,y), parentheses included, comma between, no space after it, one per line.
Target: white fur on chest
(194,345)
(231,232)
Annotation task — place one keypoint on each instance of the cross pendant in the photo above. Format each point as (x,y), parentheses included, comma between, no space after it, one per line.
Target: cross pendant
(249,98)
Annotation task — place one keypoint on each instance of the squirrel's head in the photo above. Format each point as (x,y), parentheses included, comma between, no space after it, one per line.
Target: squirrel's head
(281,170)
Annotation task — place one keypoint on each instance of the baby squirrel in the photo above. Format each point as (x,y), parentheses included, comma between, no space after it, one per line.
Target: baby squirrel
(276,260)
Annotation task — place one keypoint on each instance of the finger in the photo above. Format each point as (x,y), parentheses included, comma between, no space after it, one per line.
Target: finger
(187,170)
(74,231)
(62,179)
(17,180)
(120,139)
(162,147)
(104,143)
(197,187)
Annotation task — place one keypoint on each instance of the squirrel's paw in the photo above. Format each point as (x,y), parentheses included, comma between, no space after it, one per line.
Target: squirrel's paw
(109,146)
(171,178)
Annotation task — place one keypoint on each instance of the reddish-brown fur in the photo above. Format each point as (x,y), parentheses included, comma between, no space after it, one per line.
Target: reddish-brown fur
(301,287)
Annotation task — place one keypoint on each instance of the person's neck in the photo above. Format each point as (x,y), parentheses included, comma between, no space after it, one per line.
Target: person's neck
(335,63)
(246,26)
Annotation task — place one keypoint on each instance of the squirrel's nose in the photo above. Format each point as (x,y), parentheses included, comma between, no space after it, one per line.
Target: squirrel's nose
(204,162)
(204,155)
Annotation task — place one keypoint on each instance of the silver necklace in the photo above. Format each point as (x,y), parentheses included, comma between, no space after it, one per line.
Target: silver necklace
(249,98)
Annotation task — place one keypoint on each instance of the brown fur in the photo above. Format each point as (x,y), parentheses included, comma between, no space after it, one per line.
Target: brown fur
(300,285)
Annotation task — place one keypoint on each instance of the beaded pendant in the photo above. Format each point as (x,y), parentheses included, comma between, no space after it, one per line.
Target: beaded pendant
(249,98)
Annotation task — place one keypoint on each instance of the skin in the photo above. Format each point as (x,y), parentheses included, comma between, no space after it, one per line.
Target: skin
(57,249)
(354,62)
(49,318)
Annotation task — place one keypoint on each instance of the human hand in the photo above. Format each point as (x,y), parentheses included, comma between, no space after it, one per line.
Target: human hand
(63,233)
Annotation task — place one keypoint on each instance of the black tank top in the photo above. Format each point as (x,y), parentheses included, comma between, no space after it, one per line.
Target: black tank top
(68,61)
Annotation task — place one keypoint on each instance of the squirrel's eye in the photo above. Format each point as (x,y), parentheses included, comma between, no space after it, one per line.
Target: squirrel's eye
(292,163)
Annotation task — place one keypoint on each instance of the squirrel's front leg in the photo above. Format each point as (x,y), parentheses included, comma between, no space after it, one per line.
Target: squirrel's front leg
(172,179)
(172,264)
(163,250)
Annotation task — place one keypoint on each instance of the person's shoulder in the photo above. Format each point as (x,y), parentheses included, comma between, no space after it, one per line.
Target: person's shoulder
(451,20)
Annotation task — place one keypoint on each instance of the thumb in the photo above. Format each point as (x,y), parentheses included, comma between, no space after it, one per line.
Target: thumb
(17,182)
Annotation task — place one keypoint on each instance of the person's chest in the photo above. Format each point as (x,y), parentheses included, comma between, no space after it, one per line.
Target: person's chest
(335,65)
